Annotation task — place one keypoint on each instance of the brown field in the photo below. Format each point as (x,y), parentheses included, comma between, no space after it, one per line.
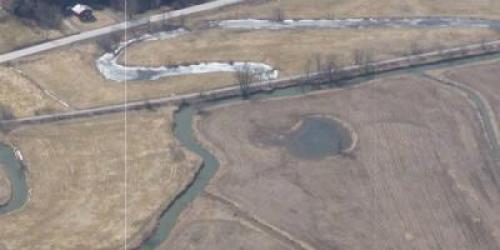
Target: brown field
(483,78)
(76,177)
(5,187)
(78,82)
(207,215)
(419,176)
(289,50)
(22,96)
(266,9)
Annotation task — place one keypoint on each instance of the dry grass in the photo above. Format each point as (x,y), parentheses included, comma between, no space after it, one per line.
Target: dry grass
(22,96)
(289,50)
(357,8)
(78,82)
(418,178)
(208,215)
(5,187)
(76,177)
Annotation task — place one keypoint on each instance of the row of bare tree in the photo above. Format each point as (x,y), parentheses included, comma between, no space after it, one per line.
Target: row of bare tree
(321,67)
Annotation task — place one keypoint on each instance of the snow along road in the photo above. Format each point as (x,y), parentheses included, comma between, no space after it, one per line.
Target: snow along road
(113,28)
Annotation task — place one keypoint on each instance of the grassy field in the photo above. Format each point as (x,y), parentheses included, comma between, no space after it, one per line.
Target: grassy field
(22,95)
(267,9)
(208,215)
(76,175)
(418,177)
(289,50)
(483,78)
(80,84)
(5,187)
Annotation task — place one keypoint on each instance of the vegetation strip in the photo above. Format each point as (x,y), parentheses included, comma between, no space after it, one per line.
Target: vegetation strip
(436,57)
(484,110)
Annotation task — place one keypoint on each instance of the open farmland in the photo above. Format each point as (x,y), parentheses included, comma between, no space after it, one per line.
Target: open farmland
(483,78)
(207,215)
(418,177)
(76,65)
(76,174)
(290,50)
(23,96)
(266,9)
(81,85)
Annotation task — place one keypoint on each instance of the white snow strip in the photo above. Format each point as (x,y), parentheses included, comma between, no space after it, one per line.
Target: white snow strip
(108,66)
(424,22)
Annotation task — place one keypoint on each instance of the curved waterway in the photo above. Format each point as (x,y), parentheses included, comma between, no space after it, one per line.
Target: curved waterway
(15,174)
(109,67)
(184,132)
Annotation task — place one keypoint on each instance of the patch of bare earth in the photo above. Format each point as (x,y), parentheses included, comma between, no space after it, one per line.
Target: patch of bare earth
(418,178)
(76,175)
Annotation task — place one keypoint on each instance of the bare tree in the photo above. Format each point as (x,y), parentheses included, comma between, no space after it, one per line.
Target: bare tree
(47,15)
(363,59)
(415,48)
(330,67)
(358,56)
(318,61)
(45,110)
(307,73)
(133,7)
(245,77)
(308,69)
(278,14)
(6,113)
(108,42)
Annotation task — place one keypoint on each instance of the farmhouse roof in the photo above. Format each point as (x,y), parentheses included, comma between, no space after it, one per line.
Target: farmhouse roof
(80,8)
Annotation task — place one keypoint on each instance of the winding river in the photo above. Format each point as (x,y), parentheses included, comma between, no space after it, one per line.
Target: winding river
(15,172)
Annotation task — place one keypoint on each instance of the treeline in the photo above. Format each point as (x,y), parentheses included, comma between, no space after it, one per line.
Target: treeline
(48,13)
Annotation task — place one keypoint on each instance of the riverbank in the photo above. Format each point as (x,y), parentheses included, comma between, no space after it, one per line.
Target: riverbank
(5,187)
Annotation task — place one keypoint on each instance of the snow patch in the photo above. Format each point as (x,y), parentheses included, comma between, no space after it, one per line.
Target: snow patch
(417,22)
(108,66)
